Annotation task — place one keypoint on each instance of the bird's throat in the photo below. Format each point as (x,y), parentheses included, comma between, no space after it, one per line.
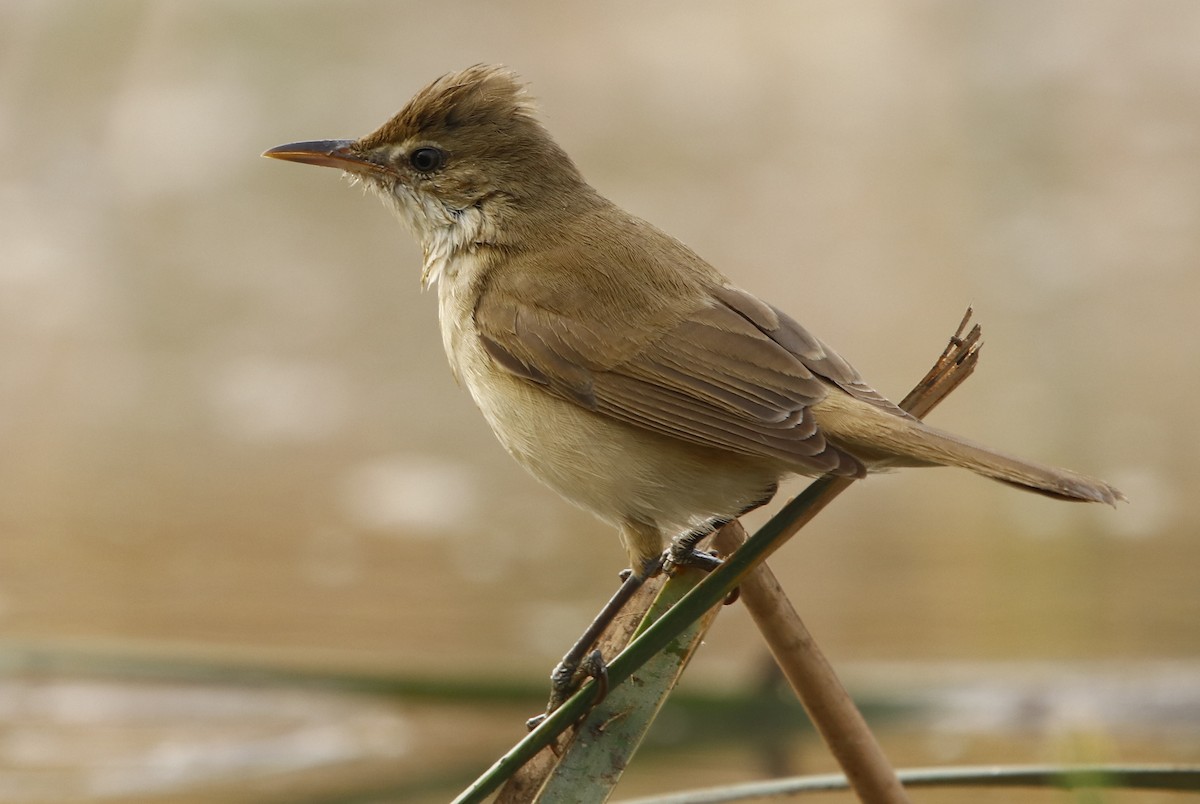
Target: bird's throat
(446,245)
(445,233)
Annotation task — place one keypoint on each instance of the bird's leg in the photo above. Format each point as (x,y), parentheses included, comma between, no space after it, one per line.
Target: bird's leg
(581,661)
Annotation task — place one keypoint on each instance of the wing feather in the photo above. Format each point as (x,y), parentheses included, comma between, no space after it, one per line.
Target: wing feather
(736,374)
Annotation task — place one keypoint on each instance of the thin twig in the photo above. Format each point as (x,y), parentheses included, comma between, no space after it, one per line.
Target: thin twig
(1065,777)
(829,706)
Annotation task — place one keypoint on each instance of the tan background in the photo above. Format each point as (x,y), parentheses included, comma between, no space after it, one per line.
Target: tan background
(227,428)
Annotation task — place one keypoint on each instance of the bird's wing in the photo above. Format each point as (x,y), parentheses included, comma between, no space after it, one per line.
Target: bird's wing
(737,374)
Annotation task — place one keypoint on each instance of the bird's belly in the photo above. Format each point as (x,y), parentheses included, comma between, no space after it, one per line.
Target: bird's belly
(617,471)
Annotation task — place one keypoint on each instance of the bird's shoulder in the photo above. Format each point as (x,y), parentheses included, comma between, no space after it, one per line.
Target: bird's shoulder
(604,282)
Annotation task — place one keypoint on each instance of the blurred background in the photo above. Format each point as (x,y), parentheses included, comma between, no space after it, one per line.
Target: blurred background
(255,545)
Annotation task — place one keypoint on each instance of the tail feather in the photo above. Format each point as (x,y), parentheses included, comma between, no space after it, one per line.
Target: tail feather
(1051,481)
(883,439)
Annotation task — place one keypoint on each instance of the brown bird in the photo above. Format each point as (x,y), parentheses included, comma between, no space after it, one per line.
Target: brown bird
(611,361)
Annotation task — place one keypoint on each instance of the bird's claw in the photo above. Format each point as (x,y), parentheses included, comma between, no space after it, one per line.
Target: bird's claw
(678,555)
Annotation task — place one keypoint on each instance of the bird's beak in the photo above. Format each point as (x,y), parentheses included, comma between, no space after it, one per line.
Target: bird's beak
(338,154)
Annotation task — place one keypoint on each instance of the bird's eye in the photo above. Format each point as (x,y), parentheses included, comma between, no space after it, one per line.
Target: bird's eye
(426,160)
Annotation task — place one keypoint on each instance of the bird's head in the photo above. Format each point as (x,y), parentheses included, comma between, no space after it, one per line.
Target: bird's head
(464,163)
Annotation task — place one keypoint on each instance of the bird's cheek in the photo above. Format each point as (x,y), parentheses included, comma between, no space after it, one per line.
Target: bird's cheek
(470,185)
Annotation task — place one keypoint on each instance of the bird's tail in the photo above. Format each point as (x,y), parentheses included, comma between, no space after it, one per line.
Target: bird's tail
(881,438)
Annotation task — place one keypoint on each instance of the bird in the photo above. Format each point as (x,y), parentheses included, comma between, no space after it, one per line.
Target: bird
(610,360)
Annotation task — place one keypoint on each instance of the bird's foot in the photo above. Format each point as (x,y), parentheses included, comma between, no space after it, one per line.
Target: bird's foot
(566,679)
(678,556)
(684,551)
(581,661)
